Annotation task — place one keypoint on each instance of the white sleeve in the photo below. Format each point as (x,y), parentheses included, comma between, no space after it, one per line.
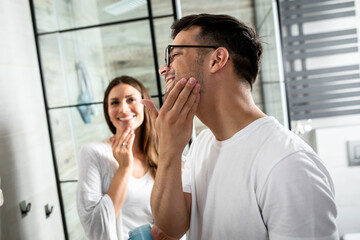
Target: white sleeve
(297,201)
(186,174)
(96,210)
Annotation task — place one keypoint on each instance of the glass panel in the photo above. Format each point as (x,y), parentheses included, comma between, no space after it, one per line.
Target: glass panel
(269,65)
(163,38)
(272,98)
(91,58)
(161,7)
(62,132)
(128,51)
(115,10)
(240,9)
(74,73)
(262,9)
(53,70)
(68,14)
(45,15)
(269,71)
(73,224)
(71,129)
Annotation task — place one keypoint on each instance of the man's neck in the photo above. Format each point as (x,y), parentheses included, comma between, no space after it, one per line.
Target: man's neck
(230,111)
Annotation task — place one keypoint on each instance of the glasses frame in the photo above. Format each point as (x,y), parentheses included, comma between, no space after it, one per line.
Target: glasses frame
(168,50)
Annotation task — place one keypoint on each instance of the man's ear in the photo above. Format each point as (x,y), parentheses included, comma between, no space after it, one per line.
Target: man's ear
(218,59)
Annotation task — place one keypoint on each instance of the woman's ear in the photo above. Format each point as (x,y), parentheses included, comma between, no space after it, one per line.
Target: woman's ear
(218,59)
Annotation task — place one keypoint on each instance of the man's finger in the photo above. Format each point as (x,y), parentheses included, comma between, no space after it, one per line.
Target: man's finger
(192,111)
(173,95)
(185,96)
(190,101)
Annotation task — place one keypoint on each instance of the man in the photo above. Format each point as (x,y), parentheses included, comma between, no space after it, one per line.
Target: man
(247,177)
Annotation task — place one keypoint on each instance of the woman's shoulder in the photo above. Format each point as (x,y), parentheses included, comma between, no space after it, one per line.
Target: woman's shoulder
(95,145)
(95,149)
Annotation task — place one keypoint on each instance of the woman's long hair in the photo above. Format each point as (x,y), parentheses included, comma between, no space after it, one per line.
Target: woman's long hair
(148,139)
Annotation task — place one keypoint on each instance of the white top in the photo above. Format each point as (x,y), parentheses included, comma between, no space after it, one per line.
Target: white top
(97,167)
(262,183)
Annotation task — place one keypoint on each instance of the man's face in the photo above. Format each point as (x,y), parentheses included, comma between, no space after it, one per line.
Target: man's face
(185,62)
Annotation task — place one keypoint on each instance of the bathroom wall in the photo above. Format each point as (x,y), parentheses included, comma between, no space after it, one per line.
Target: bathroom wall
(26,165)
(329,137)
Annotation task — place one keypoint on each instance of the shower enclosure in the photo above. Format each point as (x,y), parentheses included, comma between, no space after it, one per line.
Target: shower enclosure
(82,45)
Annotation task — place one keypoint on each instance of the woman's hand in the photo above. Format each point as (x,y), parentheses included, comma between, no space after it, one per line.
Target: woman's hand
(122,144)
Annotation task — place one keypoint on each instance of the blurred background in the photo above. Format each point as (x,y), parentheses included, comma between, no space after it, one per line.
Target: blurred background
(57,57)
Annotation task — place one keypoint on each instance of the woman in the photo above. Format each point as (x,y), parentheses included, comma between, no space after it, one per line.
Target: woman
(116,175)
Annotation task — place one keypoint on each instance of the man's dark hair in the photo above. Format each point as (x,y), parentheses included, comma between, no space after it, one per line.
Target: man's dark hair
(222,30)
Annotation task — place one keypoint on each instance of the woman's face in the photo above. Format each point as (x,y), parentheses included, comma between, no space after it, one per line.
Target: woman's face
(124,107)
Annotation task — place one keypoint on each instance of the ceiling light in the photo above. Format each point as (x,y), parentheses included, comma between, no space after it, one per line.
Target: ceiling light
(123,6)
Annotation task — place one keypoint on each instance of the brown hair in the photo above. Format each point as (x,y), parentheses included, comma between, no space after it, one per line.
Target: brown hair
(148,139)
(222,30)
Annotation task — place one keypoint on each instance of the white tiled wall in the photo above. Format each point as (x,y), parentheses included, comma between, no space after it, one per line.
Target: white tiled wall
(329,138)
(331,144)
(26,165)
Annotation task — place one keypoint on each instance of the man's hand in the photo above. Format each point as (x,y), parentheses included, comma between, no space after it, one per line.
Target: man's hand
(174,121)
(173,125)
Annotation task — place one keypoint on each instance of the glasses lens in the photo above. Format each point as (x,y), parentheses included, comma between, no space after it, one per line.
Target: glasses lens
(167,56)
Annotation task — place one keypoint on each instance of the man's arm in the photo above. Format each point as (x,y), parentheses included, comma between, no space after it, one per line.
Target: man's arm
(171,207)
(173,124)
(158,234)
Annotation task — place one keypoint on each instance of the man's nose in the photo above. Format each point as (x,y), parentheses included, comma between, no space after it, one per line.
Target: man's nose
(164,69)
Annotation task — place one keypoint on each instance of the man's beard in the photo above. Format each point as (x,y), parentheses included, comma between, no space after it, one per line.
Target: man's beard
(169,90)
(196,76)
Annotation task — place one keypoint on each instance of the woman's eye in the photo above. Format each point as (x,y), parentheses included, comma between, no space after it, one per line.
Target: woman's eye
(132,99)
(114,102)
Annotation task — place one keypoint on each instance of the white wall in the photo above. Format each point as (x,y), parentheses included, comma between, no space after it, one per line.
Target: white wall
(26,166)
(329,139)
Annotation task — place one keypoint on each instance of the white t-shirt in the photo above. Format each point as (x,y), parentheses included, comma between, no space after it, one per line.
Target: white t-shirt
(262,183)
(97,167)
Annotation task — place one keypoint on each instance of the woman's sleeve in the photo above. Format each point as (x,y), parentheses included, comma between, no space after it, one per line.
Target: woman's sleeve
(95,209)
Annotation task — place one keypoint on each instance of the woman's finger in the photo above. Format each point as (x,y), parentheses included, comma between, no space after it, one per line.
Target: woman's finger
(119,137)
(131,139)
(126,140)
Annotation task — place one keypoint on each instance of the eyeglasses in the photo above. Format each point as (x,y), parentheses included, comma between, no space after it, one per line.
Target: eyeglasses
(168,50)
